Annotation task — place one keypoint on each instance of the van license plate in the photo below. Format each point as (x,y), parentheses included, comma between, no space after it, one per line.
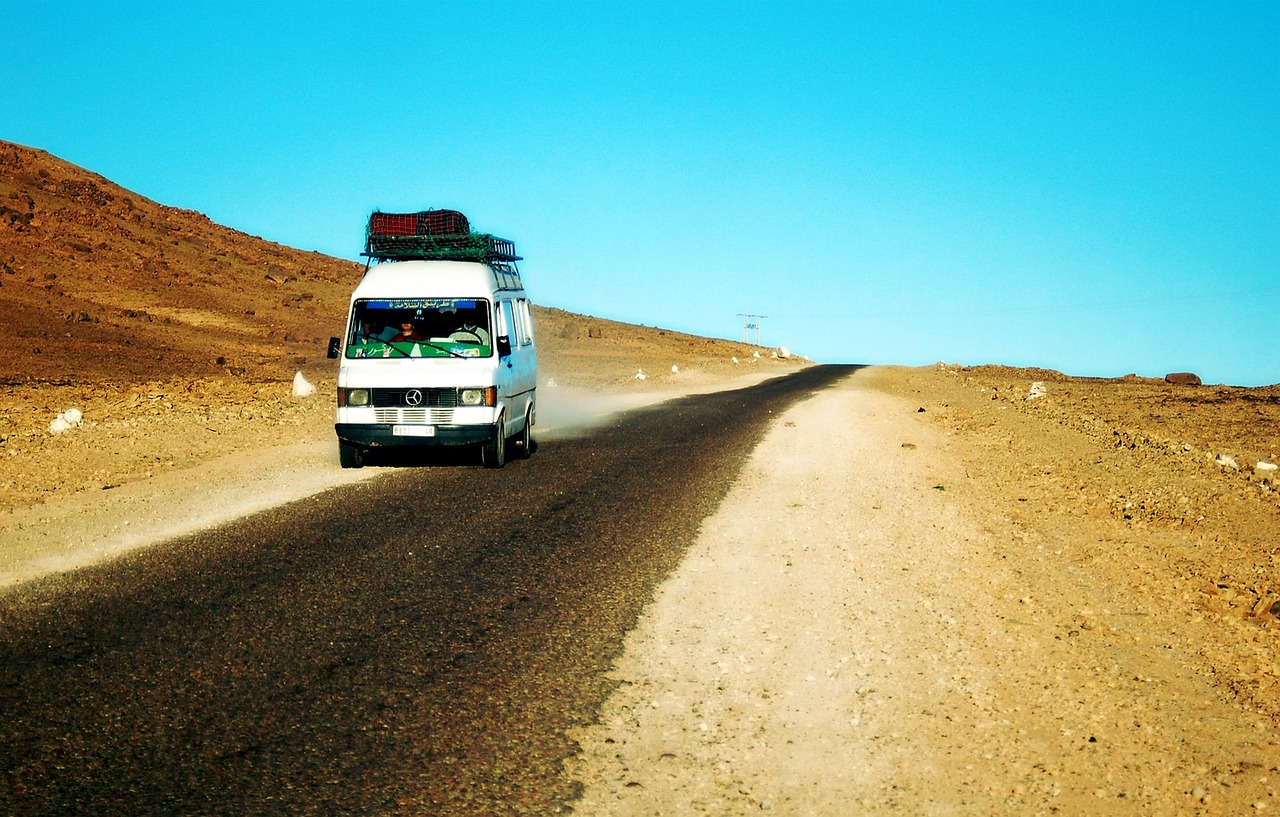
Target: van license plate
(413,431)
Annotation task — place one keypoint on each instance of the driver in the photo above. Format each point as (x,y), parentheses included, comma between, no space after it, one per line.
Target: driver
(470,333)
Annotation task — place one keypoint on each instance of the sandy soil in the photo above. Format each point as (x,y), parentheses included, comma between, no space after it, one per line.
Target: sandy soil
(873,623)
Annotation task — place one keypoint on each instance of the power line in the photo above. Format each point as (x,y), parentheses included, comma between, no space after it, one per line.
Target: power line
(750,322)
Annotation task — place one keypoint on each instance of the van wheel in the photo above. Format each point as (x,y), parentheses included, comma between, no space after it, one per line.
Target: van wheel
(350,456)
(494,453)
(524,439)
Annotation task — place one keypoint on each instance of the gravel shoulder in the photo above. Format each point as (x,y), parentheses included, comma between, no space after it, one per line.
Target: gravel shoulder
(871,623)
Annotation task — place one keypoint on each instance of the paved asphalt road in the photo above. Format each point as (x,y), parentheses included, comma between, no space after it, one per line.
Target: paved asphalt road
(414,644)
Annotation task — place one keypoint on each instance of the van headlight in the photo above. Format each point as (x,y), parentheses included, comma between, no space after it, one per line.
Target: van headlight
(357,397)
(471,397)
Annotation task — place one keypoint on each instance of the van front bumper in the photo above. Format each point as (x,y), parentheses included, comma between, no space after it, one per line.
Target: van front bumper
(383,435)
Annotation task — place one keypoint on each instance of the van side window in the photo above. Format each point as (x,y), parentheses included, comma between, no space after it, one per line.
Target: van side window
(517,331)
(524,319)
(506,321)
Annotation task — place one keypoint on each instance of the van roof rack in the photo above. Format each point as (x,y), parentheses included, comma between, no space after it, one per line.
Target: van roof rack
(481,247)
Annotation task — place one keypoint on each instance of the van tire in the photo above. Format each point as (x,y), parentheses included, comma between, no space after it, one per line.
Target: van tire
(350,456)
(493,454)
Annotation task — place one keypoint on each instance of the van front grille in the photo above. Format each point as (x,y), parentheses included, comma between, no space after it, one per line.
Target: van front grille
(414,398)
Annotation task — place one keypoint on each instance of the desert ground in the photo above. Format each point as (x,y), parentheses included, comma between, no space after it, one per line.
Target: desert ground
(927,593)
(938,590)
(930,594)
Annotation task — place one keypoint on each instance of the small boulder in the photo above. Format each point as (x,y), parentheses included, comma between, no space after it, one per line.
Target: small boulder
(302,387)
(1182,379)
(66,420)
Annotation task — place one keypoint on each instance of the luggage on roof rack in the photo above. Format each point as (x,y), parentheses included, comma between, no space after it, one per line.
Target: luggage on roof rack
(425,222)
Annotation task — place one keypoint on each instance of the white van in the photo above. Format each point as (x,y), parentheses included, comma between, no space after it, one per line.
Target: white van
(437,353)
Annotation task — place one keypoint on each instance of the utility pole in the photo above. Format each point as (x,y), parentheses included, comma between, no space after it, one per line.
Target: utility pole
(750,322)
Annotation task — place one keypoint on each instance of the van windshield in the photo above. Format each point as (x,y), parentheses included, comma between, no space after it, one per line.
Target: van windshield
(420,327)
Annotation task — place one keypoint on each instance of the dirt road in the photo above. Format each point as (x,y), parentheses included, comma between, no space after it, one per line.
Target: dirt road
(867,627)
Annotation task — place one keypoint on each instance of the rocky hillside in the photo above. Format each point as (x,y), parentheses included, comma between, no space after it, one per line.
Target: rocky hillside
(98,283)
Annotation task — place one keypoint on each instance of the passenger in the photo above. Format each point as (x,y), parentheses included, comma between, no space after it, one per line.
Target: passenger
(408,331)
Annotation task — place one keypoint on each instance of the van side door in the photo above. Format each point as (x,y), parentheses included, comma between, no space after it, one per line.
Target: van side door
(507,343)
(519,365)
(524,349)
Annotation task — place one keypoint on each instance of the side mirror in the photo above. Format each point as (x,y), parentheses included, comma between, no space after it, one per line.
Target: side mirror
(504,345)
(334,346)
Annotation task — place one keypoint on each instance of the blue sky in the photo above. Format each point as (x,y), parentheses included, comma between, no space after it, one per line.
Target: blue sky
(1085,186)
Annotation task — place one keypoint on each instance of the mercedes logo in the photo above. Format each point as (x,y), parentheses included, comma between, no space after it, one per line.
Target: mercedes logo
(413,397)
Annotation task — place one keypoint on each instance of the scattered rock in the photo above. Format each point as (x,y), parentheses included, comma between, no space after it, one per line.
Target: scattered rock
(66,420)
(302,387)
(1182,379)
